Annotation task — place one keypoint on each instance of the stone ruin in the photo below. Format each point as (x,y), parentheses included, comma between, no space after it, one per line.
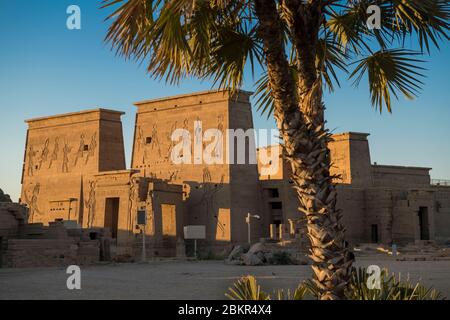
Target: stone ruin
(61,243)
(74,170)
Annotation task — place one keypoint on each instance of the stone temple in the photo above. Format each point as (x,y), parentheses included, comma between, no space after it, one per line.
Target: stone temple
(74,170)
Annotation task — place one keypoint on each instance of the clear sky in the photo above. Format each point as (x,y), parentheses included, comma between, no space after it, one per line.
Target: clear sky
(46,69)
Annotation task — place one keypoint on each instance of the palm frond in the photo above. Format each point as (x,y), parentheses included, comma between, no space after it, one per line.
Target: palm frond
(131,22)
(329,56)
(389,72)
(181,38)
(348,28)
(246,288)
(426,19)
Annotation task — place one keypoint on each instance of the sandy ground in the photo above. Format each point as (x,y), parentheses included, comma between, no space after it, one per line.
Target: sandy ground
(183,280)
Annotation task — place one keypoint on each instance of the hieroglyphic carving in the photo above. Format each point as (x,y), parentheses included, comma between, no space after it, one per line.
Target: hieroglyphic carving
(80,152)
(217,145)
(169,139)
(65,161)
(150,212)
(223,223)
(198,132)
(44,153)
(92,147)
(186,143)
(32,202)
(30,155)
(54,155)
(155,143)
(208,198)
(90,204)
(133,199)
(173,175)
(140,141)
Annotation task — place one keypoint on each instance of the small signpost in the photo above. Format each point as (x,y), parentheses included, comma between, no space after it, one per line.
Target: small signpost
(194,233)
(142,221)
(248,220)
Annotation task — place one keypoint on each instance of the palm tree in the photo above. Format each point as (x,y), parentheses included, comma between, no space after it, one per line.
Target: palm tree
(300,44)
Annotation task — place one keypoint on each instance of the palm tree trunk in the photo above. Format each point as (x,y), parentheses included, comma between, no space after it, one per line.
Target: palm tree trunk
(299,115)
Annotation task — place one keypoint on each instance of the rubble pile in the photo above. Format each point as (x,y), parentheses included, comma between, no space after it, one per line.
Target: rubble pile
(265,253)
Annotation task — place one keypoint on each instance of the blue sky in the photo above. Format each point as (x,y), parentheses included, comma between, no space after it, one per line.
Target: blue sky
(47,69)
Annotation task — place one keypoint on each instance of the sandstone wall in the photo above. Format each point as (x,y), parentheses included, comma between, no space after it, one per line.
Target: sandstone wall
(62,155)
(217,195)
(442,214)
(400,177)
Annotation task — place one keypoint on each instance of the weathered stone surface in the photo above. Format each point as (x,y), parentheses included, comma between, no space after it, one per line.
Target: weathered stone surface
(250,259)
(265,253)
(75,170)
(236,253)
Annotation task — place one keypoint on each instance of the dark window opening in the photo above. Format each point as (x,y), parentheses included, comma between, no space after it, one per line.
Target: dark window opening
(93,235)
(274,193)
(374,233)
(86,147)
(276,205)
(148,140)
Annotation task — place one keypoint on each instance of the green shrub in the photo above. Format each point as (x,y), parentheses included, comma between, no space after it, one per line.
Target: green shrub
(391,288)
(281,258)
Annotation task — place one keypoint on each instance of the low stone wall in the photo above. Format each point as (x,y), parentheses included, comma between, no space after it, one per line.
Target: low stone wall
(27,253)
(61,243)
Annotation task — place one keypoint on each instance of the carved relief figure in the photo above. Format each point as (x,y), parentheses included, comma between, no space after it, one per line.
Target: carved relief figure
(198,132)
(218,142)
(155,140)
(173,176)
(80,152)
(208,198)
(44,153)
(33,200)
(90,204)
(66,151)
(92,147)
(186,143)
(150,213)
(169,139)
(54,155)
(133,198)
(139,138)
(30,155)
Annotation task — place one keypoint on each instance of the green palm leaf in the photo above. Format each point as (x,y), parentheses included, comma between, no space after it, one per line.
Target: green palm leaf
(388,73)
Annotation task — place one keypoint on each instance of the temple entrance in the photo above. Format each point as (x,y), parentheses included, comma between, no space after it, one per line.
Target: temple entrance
(423,223)
(112,215)
(374,233)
